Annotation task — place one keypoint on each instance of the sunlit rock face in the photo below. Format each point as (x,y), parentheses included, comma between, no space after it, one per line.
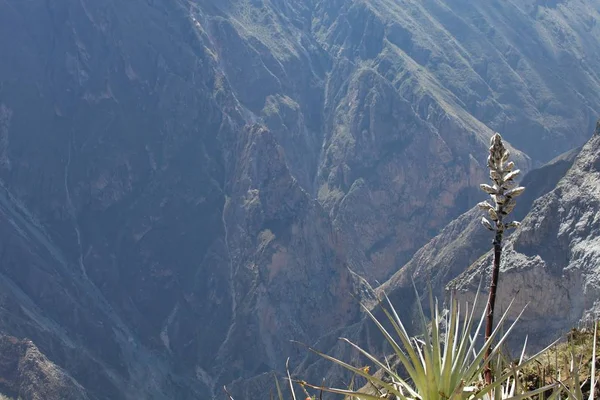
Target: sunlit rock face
(551,263)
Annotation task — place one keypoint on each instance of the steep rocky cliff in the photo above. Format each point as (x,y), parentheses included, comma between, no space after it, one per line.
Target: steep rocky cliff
(465,240)
(435,266)
(185,186)
(551,263)
(456,64)
(28,374)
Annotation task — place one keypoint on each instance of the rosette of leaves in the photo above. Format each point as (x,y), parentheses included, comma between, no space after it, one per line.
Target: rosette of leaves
(445,362)
(503,192)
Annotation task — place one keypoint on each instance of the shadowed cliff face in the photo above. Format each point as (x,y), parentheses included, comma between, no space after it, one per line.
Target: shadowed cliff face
(186,186)
(151,227)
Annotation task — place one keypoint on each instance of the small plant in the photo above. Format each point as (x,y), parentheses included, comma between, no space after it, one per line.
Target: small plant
(279,392)
(503,193)
(573,385)
(443,364)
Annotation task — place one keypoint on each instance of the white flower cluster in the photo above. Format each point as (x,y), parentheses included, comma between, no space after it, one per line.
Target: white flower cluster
(504,190)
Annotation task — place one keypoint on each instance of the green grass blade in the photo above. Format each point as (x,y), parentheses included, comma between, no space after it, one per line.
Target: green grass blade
(279,394)
(287,369)
(357,371)
(418,372)
(384,367)
(408,364)
(347,392)
(593,367)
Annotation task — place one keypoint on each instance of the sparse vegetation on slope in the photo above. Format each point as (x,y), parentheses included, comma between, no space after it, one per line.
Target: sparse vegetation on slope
(574,362)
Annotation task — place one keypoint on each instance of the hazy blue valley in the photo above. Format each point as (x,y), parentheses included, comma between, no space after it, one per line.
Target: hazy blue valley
(188,185)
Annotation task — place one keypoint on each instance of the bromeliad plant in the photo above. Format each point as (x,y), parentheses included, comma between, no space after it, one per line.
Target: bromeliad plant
(445,363)
(503,192)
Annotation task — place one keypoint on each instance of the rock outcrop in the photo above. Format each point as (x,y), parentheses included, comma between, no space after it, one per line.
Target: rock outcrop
(443,259)
(28,374)
(551,263)
(464,241)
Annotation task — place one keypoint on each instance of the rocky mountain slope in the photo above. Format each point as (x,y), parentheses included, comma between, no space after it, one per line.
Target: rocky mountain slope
(28,374)
(465,240)
(551,263)
(441,265)
(187,185)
